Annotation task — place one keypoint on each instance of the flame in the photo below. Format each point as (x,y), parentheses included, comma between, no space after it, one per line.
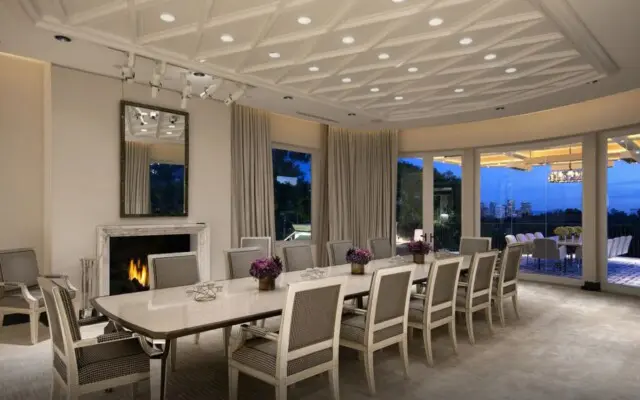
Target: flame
(138,271)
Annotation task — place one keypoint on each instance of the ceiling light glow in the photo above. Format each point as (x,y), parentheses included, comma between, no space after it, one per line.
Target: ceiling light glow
(169,133)
(274,55)
(202,60)
(399,98)
(304,20)
(375,89)
(435,21)
(459,90)
(466,41)
(314,69)
(346,80)
(490,57)
(348,40)
(167,17)
(383,56)
(226,38)
(510,70)
(413,69)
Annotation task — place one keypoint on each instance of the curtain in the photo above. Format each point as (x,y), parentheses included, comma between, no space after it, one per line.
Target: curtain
(136,179)
(319,216)
(252,174)
(361,185)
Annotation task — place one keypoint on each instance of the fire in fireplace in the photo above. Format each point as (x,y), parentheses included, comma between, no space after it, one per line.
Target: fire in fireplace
(138,273)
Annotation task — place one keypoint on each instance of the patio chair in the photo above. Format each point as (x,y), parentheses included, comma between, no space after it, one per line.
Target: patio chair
(538,235)
(615,246)
(510,239)
(548,249)
(609,248)
(627,244)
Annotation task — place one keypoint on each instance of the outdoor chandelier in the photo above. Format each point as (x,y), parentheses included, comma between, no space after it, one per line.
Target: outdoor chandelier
(565,176)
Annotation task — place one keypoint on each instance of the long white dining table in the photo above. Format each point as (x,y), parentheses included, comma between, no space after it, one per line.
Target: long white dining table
(173,313)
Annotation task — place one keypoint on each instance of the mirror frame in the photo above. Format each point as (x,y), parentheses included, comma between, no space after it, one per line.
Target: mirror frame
(185,114)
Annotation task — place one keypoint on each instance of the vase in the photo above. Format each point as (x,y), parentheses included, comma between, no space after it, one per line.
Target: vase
(418,258)
(267,283)
(357,269)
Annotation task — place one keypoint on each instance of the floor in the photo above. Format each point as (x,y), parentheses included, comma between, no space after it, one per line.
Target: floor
(568,344)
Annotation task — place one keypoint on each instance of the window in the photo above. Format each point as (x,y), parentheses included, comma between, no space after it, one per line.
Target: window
(408,199)
(447,188)
(166,183)
(292,194)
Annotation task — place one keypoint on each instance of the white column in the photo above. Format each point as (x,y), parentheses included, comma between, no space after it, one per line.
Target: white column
(602,165)
(427,195)
(470,201)
(590,195)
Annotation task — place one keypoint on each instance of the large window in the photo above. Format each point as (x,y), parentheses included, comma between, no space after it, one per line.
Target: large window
(534,194)
(292,194)
(408,200)
(447,188)
(623,211)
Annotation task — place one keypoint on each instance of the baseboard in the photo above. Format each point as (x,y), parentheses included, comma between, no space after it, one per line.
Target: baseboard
(591,286)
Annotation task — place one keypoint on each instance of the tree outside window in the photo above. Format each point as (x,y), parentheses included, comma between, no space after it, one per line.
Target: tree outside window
(292,194)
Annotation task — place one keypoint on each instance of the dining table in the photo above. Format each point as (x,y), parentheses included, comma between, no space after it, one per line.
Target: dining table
(173,313)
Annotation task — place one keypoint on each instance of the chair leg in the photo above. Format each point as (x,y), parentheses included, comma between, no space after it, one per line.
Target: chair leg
(500,306)
(404,353)
(334,382)
(174,354)
(196,339)
(34,322)
(281,391)
(233,383)
(487,313)
(426,338)
(56,388)
(469,316)
(514,299)
(226,334)
(452,335)
(368,370)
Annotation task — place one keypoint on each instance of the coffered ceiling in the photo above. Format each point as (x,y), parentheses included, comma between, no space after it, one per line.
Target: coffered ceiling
(402,62)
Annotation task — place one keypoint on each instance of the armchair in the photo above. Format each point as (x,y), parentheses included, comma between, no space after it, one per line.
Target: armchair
(19,291)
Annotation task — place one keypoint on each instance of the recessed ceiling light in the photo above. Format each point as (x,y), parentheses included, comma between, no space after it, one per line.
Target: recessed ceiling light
(412,69)
(202,60)
(352,114)
(169,133)
(459,90)
(304,20)
(466,41)
(399,98)
(273,54)
(375,89)
(167,17)
(435,21)
(314,69)
(510,70)
(288,97)
(383,56)
(348,40)
(172,126)
(490,57)
(397,1)
(143,130)
(346,80)
(226,38)
(62,38)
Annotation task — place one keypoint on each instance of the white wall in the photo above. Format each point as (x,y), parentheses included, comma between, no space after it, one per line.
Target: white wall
(296,132)
(85,166)
(21,153)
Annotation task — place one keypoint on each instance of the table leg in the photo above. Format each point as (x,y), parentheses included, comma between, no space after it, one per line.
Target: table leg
(163,369)
(360,302)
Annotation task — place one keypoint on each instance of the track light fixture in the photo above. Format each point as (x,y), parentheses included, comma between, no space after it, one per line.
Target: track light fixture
(211,89)
(127,71)
(186,92)
(235,96)
(156,81)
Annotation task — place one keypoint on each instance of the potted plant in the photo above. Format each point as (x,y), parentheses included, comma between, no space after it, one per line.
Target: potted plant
(419,248)
(266,270)
(561,231)
(571,231)
(358,259)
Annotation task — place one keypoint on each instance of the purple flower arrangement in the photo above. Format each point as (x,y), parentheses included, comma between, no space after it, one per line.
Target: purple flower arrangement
(266,268)
(358,256)
(419,247)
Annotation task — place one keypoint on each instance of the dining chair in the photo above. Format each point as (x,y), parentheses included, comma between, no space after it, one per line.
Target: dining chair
(297,257)
(476,294)
(437,306)
(530,236)
(627,245)
(609,248)
(384,322)
(578,255)
(538,235)
(306,345)
(506,285)
(82,366)
(337,251)
(510,239)
(19,291)
(239,260)
(614,247)
(380,247)
(171,270)
(470,245)
(548,249)
(263,242)
(621,241)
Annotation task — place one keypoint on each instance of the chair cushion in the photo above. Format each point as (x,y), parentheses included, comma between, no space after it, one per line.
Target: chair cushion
(110,360)
(14,299)
(461,300)
(260,353)
(352,329)
(416,310)
(19,266)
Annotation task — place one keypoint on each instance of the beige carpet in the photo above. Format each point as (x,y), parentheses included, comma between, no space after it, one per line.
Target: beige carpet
(569,344)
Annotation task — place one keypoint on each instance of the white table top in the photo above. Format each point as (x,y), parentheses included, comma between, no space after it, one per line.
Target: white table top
(575,243)
(172,313)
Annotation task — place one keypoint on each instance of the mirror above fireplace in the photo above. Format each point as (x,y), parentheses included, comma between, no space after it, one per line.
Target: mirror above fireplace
(154,161)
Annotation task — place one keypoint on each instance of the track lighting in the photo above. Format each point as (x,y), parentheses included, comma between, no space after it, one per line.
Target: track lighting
(156,81)
(186,92)
(211,89)
(235,96)
(127,71)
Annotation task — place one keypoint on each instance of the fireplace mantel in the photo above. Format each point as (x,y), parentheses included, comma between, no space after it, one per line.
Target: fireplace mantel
(105,232)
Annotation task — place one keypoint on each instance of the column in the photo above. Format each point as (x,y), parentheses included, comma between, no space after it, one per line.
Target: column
(427,195)
(470,202)
(591,194)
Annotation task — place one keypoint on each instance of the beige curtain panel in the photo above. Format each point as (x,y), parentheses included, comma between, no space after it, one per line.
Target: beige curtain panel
(252,174)
(361,184)
(320,193)
(136,180)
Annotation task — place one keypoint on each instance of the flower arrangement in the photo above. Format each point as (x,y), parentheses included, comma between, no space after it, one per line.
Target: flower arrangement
(419,247)
(358,256)
(566,231)
(577,230)
(561,231)
(266,268)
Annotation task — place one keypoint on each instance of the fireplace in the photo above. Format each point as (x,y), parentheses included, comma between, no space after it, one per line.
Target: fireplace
(128,271)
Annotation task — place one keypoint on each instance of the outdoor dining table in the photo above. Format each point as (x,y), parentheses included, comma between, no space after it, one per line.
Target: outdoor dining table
(173,313)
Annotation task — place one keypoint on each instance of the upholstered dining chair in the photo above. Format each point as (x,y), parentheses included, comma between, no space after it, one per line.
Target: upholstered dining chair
(239,260)
(173,270)
(506,285)
(470,245)
(297,257)
(510,239)
(437,306)
(306,345)
(538,235)
(621,241)
(614,247)
(380,247)
(19,291)
(627,245)
(530,236)
(476,294)
(263,242)
(82,366)
(337,251)
(384,322)
(609,248)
